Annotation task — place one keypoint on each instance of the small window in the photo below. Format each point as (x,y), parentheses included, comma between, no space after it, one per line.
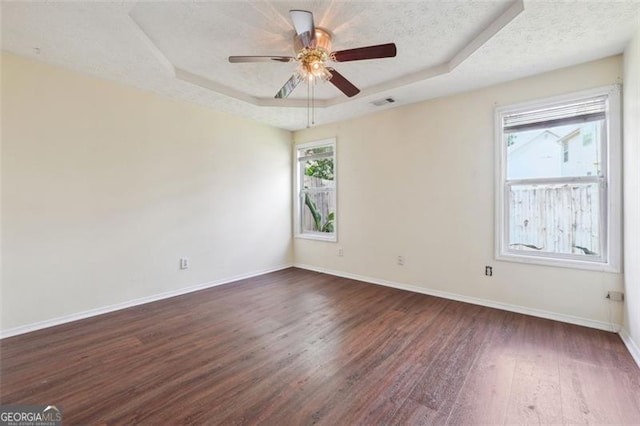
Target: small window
(558,185)
(316,190)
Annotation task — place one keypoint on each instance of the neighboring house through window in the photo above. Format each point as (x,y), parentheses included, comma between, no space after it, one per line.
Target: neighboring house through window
(558,181)
(316,190)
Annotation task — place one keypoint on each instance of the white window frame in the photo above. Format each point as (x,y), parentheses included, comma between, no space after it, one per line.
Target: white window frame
(298,195)
(611,198)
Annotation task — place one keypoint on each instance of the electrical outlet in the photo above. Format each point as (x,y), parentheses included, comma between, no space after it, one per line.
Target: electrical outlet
(184,263)
(488,271)
(340,252)
(401,260)
(615,296)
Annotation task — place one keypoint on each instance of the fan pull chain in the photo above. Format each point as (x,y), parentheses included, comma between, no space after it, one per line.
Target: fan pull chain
(313,104)
(308,102)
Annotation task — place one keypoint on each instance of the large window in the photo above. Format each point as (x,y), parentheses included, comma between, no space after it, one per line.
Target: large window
(558,181)
(316,190)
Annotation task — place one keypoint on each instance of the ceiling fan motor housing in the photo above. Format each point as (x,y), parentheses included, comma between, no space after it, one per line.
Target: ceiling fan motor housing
(323,40)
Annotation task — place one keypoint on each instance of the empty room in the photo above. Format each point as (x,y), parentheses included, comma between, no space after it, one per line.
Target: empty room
(320,212)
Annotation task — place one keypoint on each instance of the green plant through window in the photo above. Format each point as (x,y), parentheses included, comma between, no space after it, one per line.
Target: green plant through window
(321,168)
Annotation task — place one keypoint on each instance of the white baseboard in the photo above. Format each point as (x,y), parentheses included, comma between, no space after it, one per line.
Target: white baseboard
(128,304)
(600,325)
(631,345)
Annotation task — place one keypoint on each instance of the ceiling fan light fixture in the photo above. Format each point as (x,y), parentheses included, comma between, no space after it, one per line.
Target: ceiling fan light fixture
(312,58)
(312,65)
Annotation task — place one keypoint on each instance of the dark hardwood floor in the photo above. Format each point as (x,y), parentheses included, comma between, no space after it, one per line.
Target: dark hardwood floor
(298,347)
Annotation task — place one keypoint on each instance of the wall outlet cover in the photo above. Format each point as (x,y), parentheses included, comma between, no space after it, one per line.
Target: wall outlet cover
(184,263)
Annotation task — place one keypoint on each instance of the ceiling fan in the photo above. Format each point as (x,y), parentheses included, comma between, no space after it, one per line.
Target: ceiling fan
(313,49)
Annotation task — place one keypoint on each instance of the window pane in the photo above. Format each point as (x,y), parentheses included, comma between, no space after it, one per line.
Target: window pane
(318,173)
(555,218)
(318,211)
(560,151)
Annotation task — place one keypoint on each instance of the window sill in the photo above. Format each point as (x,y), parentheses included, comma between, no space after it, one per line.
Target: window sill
(318,237)
(559,262)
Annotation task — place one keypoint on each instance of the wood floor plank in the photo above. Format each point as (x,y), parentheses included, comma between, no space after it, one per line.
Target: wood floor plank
(301,347)
(484,397)
(535,394)
(582,396)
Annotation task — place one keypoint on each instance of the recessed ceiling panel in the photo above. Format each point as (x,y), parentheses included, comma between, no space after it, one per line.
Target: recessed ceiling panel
(200,37)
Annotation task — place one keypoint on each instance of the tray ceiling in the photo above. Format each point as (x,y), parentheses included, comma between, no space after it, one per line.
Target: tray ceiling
(180,49)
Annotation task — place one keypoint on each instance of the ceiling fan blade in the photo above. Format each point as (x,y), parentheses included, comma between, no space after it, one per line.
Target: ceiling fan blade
(241,59)
(303,23)
(342,83)
(288,87)
(370,52)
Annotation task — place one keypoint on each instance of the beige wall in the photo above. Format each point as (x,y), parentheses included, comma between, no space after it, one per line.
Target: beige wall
(632,189)
(105,187)
(418,181)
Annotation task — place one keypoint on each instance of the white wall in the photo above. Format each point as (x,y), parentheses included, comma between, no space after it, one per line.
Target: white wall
(631,156)
(105,187)
(418,181)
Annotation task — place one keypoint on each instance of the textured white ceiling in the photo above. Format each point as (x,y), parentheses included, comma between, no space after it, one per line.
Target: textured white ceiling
(180,49)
